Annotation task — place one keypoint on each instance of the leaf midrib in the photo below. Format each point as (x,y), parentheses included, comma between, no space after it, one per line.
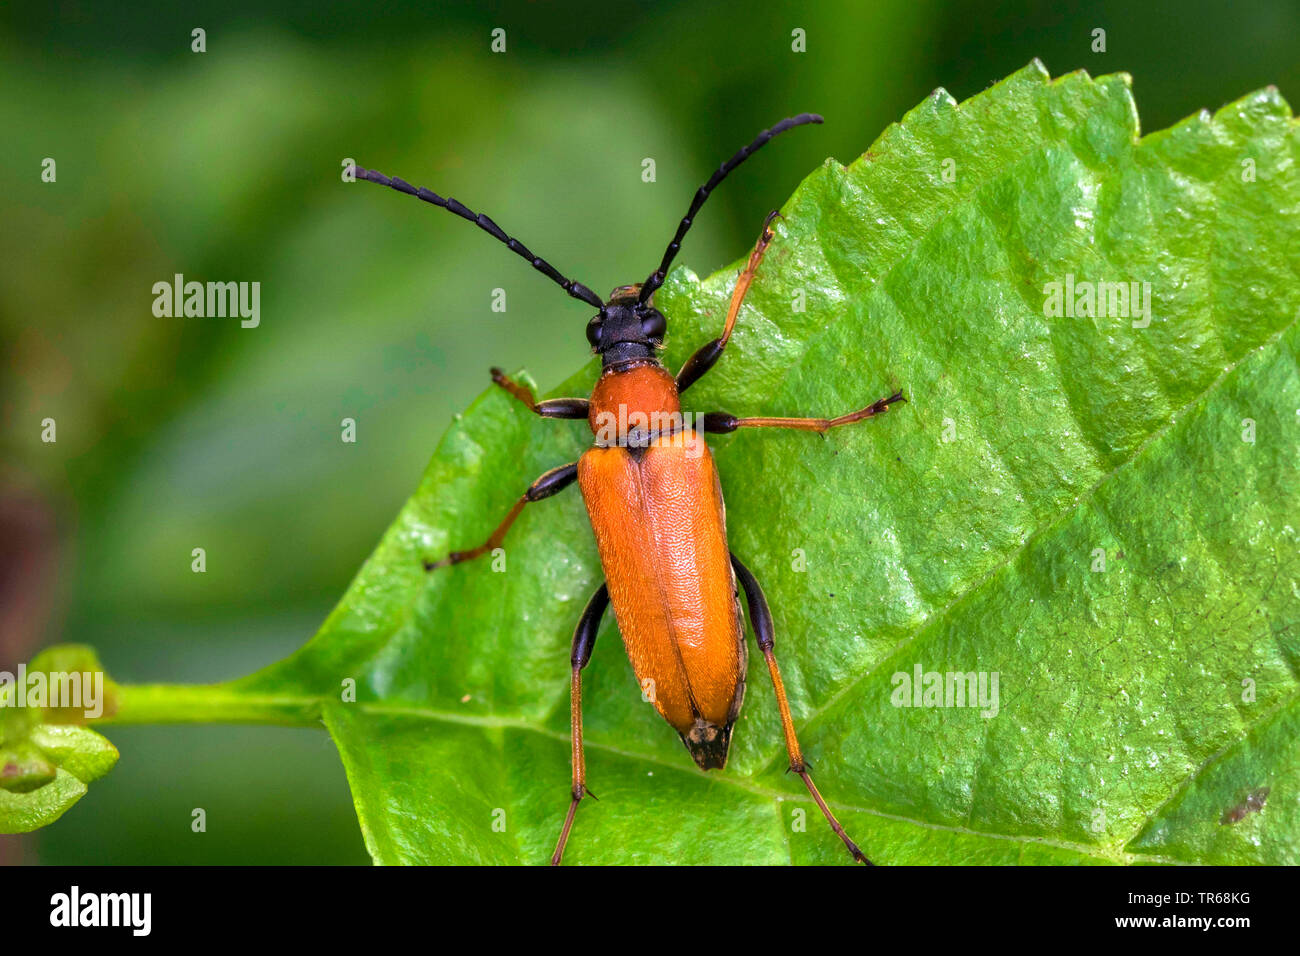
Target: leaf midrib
(311,708)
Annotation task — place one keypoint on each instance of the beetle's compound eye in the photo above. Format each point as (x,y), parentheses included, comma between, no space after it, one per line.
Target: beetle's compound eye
(593,329)
(653,324)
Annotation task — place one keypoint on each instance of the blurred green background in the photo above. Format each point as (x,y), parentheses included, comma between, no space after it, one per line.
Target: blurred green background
(225,165)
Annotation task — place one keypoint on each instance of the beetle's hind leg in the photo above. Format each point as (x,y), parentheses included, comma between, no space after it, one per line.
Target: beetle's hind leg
(761,619)
(557,479)
(584,639)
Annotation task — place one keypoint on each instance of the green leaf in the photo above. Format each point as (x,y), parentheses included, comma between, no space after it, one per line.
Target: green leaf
(46,760)
(1101,511)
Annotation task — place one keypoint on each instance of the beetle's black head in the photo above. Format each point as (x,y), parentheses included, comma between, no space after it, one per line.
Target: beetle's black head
(625,328)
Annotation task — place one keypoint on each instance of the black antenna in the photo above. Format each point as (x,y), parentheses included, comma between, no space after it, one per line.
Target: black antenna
(656,278)
(575,289)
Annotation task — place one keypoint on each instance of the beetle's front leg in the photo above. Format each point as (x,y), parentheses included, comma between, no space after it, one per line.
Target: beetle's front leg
(572,408)
(707,355)
(557,479)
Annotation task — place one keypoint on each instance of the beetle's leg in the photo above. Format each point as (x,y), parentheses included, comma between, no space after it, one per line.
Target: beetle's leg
(557,479)
(551,408)
(584,639)
(761,620)
(723,422)
(707,355)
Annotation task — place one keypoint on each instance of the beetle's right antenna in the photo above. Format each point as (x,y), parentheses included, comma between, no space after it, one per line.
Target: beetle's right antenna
(656,278)
(575,289)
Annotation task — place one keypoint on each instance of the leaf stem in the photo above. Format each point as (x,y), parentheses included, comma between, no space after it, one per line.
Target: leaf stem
(209,703)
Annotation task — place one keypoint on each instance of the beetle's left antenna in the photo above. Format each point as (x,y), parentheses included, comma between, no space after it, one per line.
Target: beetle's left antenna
(575,289)
(656,278)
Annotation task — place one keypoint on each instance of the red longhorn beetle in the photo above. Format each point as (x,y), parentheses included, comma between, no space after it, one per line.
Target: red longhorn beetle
(655,505)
